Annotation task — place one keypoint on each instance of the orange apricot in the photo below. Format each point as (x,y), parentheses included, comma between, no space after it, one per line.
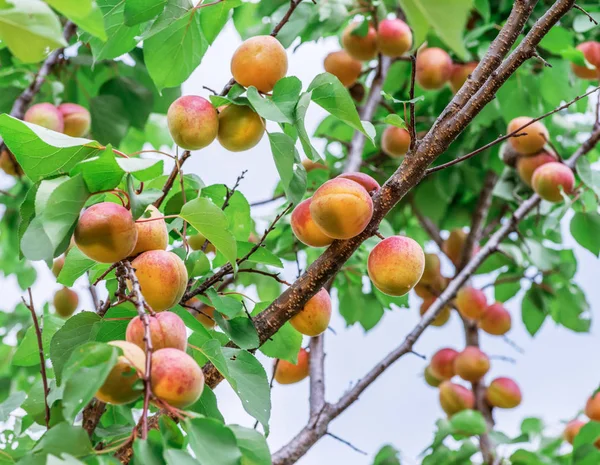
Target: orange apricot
(395,141)
(471,302)
(118,388)
(362,48)
(260,61)
(240,128)
(314,318)
(503,393)
(176,378)
(166,330)
(152,235)
(442,363)
(533,137)
(550,179)
(471,364)
(343,66)
(526,165)
(77,119)
(305,229)
(289,373)
(394,37)
(65,302)
(45,115)
(495,320)
(434,68)
(455,398)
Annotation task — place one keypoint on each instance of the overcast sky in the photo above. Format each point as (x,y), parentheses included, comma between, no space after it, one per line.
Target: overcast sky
(555,372)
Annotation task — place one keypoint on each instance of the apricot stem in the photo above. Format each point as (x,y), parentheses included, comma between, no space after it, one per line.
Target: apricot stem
(155,151)
(146,220)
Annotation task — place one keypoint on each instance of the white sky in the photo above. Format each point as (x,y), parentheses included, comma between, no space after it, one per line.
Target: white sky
(556,373)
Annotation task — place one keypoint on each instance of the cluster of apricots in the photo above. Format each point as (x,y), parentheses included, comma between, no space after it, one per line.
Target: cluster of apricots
(592,411)
(194,122)
(471,365)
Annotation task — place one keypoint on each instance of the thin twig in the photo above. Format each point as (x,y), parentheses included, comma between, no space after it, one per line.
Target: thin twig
(349,444)
(172,177)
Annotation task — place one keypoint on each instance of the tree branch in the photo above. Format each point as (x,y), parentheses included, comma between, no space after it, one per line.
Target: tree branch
(172,177)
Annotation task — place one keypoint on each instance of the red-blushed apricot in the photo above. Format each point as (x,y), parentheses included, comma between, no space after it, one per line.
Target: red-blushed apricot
(503,393)
(314,318)
(428,291)
(167,330)
(305,229)
(453,246)
(45,115)
(572,430)
(395,141)
(118,388)
(77,119)
(534,136)
(370,184)
(240,128)
(394,37)
(343,67)
(260,61)
(442,317)
(341,208)
(152,235)
(196,242)
(163,278)
(591,53)
(360,47)
(592,407)
(471,364)
(193,122)
(470,302)
(495,320)
(442,363)
(455,398)
(106,232)
(460,74)
(288,373)
(176,378)
(432,271)
(65,302)
(549,179)
(434,68)
(310,165)
(9,164)
(430,378)
(526,165)
(57,265)
(396,265)
(202,312)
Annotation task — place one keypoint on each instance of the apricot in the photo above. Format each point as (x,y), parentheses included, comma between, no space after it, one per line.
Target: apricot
(471,364)
(260,61)
(203,313)
(526,166)
(57,265)
(370,184)
(395,141)
(167,330)
(193,122)
(118,388)
(396,265)
(65,302)
(549,179)
(341,208)
(533,139)
(503,393)
(428,291)
(314,318)
(394,37)
(455,398)
(343,67)
(106,232)
(152,235)
(430,378)
(310,165)
(460,74)
(432,271)
(592,407)
(176,378)
(304,227)
(434,68)
(442,317)
(454,245)
(196,242)
(288,373)
(163,278)
(470,302)
(362,48)
(495,320)
(572,430)
(45,115)
(442,363)
(240,128)
(591,53)
(77,119)
(9,164)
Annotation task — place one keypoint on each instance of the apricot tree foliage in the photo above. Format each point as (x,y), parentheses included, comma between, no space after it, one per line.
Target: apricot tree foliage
(466,127)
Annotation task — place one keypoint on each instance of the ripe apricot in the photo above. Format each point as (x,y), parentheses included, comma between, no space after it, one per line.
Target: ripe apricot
(57,265)
(442,317)
(394,37)
(362,48)
(549,179)
(314,318)
(454,245)
(341,208)
(9,164)
(432,270)
(455,398)
(106,232)
(310,165)
(526,165)
(495,320)
(533,139)
(193,122)
(163,278)
(572,430)
(77,119)
(240,128)
(260,61)
(460,74)
(396,265)
(288,373)
(118,388)
(471,302)
(370,184)
(45,115)
(591,52)
(592,407)
(166,330)
(343,66)
(196,242)
(430,378)
(203,313)
(471,364)
(305,229)
(152,235)
(65,302)
(176,378)
(503,393)
(434,67)
(395,141)
(442,363)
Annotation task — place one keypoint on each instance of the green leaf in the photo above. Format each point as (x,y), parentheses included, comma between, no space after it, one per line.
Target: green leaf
(207,405)
(101,172)
(30,29)
(387,455)
(41,152)
(395,120)
(533,310)
(84,13)
(212,442)
(468,422)
(179,457)
(260,255)
(109,120)
(28,353)
(585,228)
(76,264)
(12,403)
(240,330)
(210,221)
(253,446)
(84,373)
(78,330)
(137,99)
(139,11)
(284,344)
(300,115)
(266,107)
(64,439)
(213,18)
(589,176)
(289,167)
